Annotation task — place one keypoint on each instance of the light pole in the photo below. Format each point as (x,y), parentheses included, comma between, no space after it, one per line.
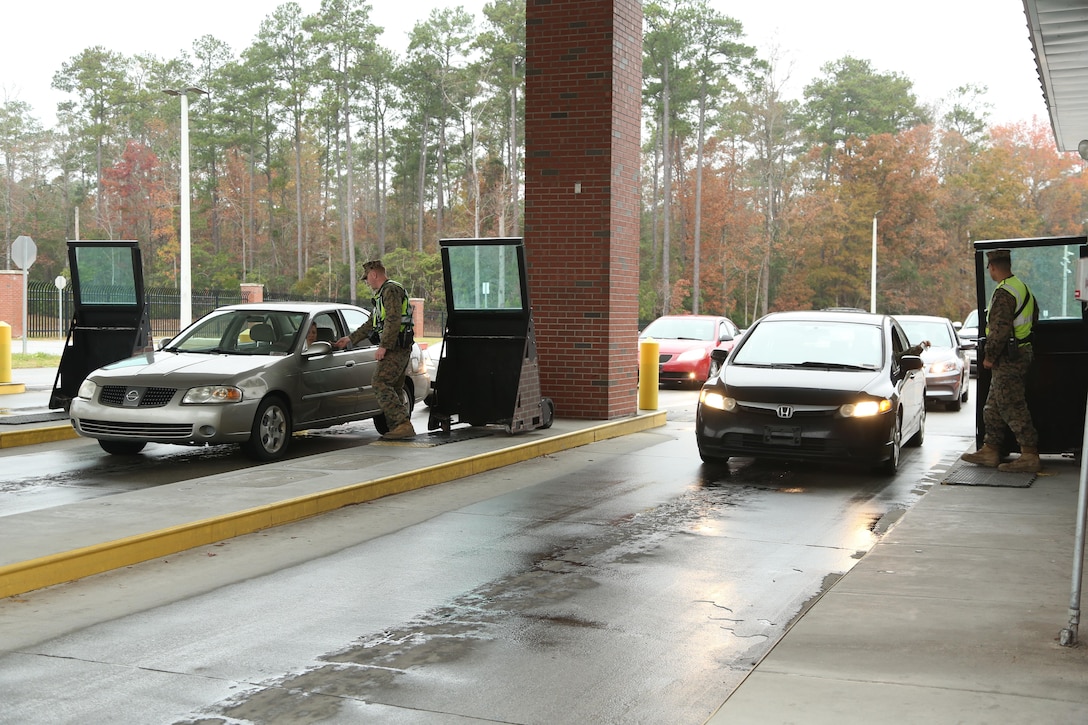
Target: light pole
(872,271)
(186,276)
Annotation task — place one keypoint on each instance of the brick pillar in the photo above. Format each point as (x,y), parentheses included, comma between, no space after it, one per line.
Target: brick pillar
(252,292)
(11,300)
(582,123)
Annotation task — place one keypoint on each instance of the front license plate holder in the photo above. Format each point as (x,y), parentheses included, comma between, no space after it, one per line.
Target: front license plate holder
(774,435)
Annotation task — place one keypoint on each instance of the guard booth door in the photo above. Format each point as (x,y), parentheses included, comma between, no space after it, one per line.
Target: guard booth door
(488,372)
(1057,382)
(109,320)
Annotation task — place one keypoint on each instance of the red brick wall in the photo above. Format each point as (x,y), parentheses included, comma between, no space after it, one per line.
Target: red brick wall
(582,125)
(11,301)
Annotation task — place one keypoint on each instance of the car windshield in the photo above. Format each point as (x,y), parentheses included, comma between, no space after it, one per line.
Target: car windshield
(936,331)
(812,343)
(241,332)
(680,328)
(972,319)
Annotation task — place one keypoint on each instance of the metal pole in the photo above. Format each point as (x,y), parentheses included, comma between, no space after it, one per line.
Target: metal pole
(1068,636)
(25,315)
(872,272)
(186,271)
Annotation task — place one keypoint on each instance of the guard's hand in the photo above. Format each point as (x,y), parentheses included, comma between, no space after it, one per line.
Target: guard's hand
(342,343)
(379,353)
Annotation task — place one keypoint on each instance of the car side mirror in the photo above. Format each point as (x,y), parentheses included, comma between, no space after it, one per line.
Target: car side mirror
(957,325)
(719,355)
(910,362)
(968,344)
(317,349)
(726,337)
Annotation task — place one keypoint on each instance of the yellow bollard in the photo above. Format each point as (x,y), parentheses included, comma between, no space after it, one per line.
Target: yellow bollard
(6,386)
(5,352)
(648,352)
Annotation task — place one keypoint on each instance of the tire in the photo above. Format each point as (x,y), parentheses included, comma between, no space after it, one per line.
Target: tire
(407,399)
(122,448)
(919,437)
(891,466)
(547,412)
(271,433)
(955,405)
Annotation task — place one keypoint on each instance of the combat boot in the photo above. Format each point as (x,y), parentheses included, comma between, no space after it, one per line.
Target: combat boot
(1028,462)
(402,431)
(988,456)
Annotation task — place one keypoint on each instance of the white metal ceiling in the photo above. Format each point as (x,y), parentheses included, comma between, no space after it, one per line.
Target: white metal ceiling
(1059,37)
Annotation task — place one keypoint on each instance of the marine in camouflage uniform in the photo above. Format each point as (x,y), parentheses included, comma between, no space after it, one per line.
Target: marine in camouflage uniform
(1005,401)
(390,304)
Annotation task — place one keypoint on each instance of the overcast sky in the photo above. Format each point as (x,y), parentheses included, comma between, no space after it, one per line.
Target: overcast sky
(938,44)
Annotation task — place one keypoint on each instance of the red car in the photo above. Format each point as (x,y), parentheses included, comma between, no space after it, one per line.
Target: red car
(686,342)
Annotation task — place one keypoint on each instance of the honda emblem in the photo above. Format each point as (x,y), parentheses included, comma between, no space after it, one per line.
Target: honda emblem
(785,411)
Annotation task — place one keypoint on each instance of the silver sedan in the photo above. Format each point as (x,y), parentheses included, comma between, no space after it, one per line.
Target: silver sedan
(242,374)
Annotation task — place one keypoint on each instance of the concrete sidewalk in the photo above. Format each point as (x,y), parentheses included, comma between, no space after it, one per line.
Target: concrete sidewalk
(953,617)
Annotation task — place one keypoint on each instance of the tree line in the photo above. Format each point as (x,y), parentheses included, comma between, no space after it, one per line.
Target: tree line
(316,147)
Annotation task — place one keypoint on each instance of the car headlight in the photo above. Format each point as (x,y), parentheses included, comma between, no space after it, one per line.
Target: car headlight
(943,366)
(694,355)
(87,389)
(716,400)
(865,408)
(211,394)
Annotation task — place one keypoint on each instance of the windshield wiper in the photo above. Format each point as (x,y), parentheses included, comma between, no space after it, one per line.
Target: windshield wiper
(832,365)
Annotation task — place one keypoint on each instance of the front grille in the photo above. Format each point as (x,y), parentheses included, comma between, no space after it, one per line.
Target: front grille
(796,411)
(114,395)
(664,358)
(181,431)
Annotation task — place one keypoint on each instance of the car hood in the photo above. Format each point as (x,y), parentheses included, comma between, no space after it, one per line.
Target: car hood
(936,354)
(675,347)
(813,386)
(160,367)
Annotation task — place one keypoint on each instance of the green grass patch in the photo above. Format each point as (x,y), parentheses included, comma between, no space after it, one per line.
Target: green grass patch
(20,360)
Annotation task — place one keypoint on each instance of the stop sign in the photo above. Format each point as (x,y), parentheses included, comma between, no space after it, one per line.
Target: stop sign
(24,251)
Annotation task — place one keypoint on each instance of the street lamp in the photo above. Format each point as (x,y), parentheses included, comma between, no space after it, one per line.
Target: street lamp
(186,282)
(872,271)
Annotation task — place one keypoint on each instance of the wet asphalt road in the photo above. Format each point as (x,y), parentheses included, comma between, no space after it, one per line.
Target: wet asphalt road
(619,582)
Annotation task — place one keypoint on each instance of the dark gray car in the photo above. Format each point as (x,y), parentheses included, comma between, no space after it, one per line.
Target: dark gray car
(242,374)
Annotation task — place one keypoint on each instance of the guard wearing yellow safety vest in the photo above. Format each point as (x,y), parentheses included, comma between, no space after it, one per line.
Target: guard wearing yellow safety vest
(389,327)
(1008,355)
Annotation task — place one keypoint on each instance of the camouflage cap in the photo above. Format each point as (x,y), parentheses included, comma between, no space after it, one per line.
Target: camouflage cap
(373,264)
(999,255)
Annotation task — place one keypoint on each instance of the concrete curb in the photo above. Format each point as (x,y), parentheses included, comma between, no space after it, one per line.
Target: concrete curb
(32,436)
(68,566)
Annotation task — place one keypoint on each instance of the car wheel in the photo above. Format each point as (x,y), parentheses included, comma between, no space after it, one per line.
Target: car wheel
(966,389)
(406,399)
(955,404)
(271,432)
(891,465)
(122,448)
(919,436)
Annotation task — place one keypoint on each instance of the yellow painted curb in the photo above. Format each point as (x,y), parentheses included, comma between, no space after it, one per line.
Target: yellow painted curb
(68,566)
(32,436)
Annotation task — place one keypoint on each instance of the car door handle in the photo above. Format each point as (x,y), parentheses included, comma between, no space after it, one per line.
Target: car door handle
(349,364)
